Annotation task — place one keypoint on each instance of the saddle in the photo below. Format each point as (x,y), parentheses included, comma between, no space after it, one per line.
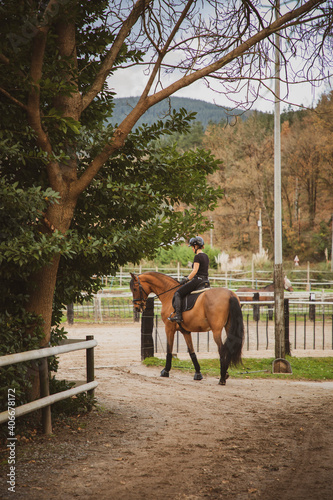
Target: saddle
(189,300)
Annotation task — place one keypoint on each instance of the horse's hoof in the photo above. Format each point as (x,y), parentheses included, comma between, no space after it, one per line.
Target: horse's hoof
(164,373)
(198,376)
(222,381)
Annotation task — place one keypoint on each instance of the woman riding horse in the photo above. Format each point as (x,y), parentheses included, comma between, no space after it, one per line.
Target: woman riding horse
(215,309)
(195,280)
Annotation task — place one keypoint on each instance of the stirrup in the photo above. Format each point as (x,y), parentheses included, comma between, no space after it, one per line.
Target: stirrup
(175,318)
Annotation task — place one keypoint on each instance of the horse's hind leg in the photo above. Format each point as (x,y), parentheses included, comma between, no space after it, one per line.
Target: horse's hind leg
(225,359)
(224,356)
(193,356)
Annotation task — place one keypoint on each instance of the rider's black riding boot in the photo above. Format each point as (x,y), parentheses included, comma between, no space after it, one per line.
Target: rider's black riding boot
(178,309)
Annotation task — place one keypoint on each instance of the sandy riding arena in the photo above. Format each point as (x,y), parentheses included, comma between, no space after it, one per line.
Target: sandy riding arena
(155,438)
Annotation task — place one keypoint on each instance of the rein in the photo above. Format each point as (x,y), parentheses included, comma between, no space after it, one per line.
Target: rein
(166,291)
(141,289)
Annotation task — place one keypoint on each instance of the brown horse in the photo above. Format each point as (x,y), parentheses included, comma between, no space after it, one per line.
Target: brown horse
(268,288)
(214,309)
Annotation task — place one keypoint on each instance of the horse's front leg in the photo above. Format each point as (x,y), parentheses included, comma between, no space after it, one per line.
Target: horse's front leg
(170,333)
(193,356)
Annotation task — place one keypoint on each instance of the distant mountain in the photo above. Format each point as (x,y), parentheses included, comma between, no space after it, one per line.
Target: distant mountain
(206,111)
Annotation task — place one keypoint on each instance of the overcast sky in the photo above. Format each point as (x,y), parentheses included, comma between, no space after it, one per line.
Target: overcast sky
(131,83)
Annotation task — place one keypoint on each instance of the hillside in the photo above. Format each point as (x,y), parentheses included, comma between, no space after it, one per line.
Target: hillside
(206,112)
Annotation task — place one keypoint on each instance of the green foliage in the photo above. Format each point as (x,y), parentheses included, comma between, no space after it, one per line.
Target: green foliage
(24,245)
(81,403)
(184,142)
(177,253)
(183,254)
(292,116)
(321,240)
(24,248)
(14,338)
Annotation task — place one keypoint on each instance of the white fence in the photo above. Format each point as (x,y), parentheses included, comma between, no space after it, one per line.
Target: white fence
(233,279)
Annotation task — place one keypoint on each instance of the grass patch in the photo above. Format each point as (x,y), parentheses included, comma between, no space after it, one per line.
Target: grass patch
(303,368)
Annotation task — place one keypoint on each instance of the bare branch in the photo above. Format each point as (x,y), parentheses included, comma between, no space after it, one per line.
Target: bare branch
(145,101)
(108,62)
(163,51)
(235,53)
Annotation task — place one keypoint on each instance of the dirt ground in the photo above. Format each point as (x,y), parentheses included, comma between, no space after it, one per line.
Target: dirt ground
(155,438)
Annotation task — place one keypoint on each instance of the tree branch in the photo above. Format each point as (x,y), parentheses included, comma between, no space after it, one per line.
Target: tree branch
(4,59)
(19,103)
(33,107)
(50,12)
(93,168)
(108,62)
(234,54)
(163,52)
(145,101)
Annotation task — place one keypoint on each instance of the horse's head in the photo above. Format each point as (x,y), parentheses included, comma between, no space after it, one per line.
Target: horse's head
(139,294)
(287,285)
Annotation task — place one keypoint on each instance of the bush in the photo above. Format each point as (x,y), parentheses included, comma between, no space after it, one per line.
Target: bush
(184,255)
(13,338)
(81,403)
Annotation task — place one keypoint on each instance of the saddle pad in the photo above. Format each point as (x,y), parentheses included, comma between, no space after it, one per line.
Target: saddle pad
(190,300)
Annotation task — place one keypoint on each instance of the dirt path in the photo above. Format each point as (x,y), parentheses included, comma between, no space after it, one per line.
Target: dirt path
(176,438)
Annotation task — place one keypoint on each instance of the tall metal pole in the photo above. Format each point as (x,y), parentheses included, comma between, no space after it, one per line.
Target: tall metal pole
(260,232)
(211,233)
(278,271)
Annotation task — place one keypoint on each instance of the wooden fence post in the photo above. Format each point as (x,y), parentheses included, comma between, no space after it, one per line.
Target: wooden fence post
(286,327)
(256,308)
(90,365)
(312,308)
(147,325)
(44,392)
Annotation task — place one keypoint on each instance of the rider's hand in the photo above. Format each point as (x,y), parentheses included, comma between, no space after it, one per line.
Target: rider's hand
(183,281)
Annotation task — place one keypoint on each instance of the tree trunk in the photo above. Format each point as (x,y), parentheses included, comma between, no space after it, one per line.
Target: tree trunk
(41,295)
(43,283)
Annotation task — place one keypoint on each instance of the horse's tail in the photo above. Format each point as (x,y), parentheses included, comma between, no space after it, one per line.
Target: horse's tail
(232,348)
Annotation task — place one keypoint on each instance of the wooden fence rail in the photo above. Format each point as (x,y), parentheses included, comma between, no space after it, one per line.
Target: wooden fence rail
(45,402)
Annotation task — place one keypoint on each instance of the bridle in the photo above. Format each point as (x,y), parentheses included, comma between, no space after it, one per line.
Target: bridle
(143,299)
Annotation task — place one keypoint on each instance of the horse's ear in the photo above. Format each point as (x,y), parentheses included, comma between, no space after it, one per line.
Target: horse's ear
(133,275)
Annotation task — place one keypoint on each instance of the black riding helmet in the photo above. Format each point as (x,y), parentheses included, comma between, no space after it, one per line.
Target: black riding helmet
(197,241)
